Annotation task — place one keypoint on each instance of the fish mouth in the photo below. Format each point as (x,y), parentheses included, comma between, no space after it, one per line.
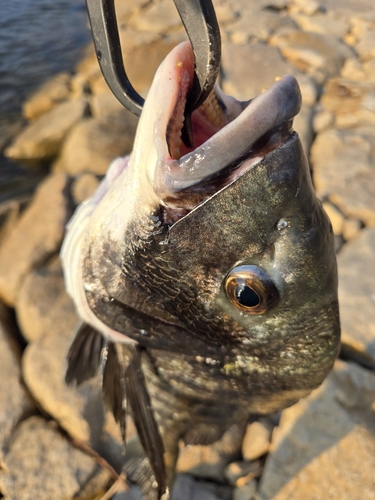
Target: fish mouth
(230,137)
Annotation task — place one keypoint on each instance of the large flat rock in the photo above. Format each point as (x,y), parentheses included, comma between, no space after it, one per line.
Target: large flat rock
(36,236)
(325,445)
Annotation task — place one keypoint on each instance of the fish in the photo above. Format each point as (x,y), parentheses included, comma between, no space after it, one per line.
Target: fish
(205,277)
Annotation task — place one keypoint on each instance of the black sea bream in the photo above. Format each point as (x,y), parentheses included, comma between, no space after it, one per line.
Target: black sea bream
(206,277)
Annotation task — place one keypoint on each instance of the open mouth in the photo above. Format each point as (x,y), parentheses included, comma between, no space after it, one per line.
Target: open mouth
(230,137)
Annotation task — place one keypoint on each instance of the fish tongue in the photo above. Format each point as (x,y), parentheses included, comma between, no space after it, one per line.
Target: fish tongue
(265,113)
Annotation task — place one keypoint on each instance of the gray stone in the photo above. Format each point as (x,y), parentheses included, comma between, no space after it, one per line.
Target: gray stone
(344,171)
(210,461)
(94,143)
(356,266)
(54,91)
(257,439)
(41,140)
(35,236)
(321,56)
(42,465)
(246,491)
(15,403)
(325,445)
(188,488)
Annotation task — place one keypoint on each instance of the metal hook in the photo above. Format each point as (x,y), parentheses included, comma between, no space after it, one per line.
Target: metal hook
(199,20)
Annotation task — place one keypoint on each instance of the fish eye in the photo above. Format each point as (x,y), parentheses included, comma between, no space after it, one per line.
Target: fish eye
(251,290)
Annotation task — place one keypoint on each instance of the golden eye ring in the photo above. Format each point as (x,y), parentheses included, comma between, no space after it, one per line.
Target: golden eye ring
(251,290)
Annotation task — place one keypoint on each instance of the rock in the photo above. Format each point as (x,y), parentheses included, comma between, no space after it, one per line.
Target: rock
(47,467)
(267,22)
(41,294)
(366,46)
(241,81)
(357,289)
(242,470)
(257,439)
(325,444)
(351,103)
(41,140)
(308,7)
(10,210)
(323,24)
(344,171)
(36,235)
(83,187)
(321,56)
(351,228)
(336,217)
(79,410)
(95,142)
(15,403)
(322,119)
(160,17)
(302,124)
(186,487)
(53,92)
(246,491)
(210,461)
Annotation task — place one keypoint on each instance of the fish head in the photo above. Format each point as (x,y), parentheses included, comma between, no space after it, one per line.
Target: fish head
(220,251)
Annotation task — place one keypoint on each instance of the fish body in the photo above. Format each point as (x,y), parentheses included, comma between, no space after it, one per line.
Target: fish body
(209,273)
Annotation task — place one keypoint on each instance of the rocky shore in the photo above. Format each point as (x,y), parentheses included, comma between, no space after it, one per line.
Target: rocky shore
(60,443)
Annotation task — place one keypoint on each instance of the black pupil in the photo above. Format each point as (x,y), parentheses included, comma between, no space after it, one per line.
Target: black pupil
(246,296)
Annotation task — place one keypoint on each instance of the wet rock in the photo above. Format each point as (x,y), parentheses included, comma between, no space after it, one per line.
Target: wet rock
(79,411)
(336,218)
(93,143)
(53,92)
(333,431)
(257,439)
(343,163)
(47,467)
(41,140)
(83,187)
(210,461)
(35,236)
(357,289)
(351,103)
(15,403)
(319,55)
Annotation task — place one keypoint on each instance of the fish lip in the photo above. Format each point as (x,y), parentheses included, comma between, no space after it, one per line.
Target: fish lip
(269,111)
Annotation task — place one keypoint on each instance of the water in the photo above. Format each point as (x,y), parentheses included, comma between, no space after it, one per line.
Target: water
(38,38)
